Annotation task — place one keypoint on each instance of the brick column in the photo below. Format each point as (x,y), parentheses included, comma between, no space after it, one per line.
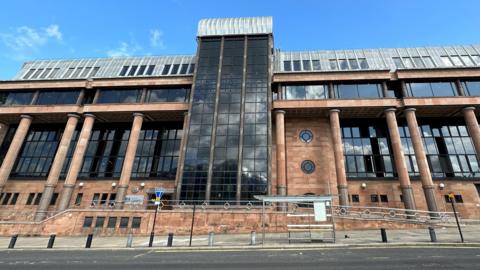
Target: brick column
(76,162)
(14,149)
(57,166)
(339,157)
(129,160)
(281,156)
(472,125)
(399,157)
(421,157)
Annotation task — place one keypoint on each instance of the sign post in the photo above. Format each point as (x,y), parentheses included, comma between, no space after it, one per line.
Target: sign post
(158,196)
(451,196)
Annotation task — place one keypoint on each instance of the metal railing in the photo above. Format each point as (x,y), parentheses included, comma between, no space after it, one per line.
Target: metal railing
(350,212)
(393,214)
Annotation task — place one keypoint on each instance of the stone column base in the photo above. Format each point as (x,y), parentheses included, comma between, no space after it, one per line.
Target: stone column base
(429,192)
(408,200)
(343,195)
(65,197)
(44,203)
(120,199)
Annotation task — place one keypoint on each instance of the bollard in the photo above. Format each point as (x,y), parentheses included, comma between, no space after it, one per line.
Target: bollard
(253,240)
(51,241)
(383,232)
(210,239)
(152,235)
(129,240)
(13,240)
(170,240)
(433,235)
(88,244)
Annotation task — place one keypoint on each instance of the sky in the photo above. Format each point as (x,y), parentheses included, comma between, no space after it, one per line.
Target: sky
(47,29)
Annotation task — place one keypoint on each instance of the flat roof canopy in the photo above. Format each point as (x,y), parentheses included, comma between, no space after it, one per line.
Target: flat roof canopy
(293,198)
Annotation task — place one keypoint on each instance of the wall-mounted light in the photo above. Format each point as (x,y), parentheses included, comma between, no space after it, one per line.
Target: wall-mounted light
(80,184)
(364,185)
(114,184)
(142,185)
(441,185)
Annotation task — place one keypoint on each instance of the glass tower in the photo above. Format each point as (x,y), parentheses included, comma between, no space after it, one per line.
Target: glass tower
(227,148)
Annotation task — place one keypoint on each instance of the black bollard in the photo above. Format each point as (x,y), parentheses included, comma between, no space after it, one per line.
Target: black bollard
(170,240)
(51,241)
(152,235)
(383,232)
(88,244)
(433,235)
(13,240)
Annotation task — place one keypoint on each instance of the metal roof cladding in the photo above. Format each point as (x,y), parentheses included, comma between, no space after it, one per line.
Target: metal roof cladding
(235,26)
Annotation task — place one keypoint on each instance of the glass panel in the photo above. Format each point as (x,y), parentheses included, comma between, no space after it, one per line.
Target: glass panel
(316,64)
(343,64)
(353,63)
(58,97)
(428,61)
(408,62)
(443,89)
(456,60)
(363,63)
(16,98)
(346,91)
(118,96)
(446,61)
(307,65)
(333,64)
(398,62)
(316,92)
(418,62)
(472,88)
(420,89)
(369,90)
(296,65)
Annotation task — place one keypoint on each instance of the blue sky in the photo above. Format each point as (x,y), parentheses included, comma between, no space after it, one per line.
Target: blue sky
(32,29)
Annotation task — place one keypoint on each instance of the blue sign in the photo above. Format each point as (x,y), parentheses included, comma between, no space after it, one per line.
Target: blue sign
(159,192)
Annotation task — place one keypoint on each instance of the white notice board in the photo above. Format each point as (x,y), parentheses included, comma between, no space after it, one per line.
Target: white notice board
(320,211)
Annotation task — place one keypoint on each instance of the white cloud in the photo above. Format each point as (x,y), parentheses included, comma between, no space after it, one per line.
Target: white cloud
(53,31)
(156,39)
(125,49)
(24,40)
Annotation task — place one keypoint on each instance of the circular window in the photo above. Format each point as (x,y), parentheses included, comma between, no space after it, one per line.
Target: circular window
(308,166)
(306,136)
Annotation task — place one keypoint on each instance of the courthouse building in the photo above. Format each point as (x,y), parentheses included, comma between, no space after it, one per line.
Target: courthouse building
(390,127)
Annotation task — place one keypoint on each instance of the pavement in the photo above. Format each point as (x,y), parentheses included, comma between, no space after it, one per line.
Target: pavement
(340,258)
(446,236)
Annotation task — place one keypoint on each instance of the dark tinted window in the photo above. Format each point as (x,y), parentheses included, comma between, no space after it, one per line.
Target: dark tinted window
(431,89)
(141,70)
(99,222)
(136,222)
(58,97)
(87,222)
(119,96)
(112,222)
(166,69)
(175,69)
(150,70)
(123,222)
(351,91)
(123,72)
(16,98)
(168,95)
